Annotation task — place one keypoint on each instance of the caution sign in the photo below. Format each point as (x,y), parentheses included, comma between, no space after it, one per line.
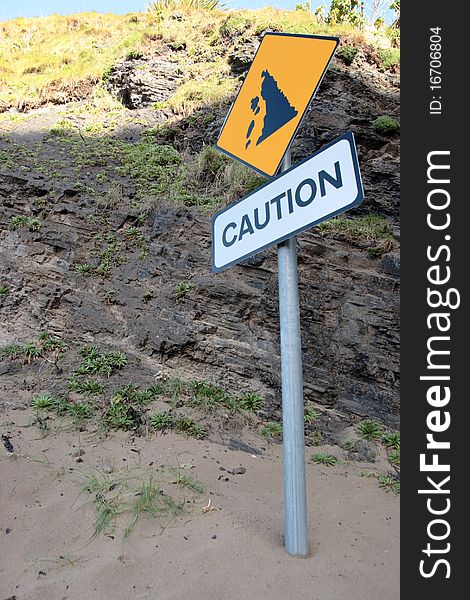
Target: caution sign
(318,188)
(282,81)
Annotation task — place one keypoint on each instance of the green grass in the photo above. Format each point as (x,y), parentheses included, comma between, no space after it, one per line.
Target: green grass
(88,351)
(189,427)
(385,125)
(131,494)
(195,394)
(183,288)
(88,387)
(394,457)
(181,424)
(310,414)
(47,342)
(366,228)
(389,484)
(271,430)
(391,440)
(212,89)
(149,295)
(152,502)
(79,411)
(220,177)
(127,407)
(20,221)
(112,254)
(389,58)
(50,342)
(96,483)
(105,363)
(322,458)
(347,53)
(135,236)
(44,402)
(208,397)
(76,411)
(153,167)
(120,416)
(315,438)
(107,500)
(349,445)
(186,481)
(161,421)
(31,352)
(175,388)
(107,511)
(85,269)
(4,289)
(251,401)
(369,430)
(11,351)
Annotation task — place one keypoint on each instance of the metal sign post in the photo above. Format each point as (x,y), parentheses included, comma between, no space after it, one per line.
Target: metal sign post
(295,494)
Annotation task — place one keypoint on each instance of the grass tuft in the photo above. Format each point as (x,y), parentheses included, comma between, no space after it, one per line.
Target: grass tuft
(88,387)
(161,421)
(325,459)
(392,440)
(44,402)
(389,484)
(183,288)
(385,125)
(251,401)
(310,414)
(19,221)
(120,416)
(190,428)
(271,430)
(186,481)
(347,53)
(389,58)
(369,430)
(105,363)
(366,228)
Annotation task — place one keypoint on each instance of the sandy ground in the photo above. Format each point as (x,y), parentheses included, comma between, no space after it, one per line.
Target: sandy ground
(232,552)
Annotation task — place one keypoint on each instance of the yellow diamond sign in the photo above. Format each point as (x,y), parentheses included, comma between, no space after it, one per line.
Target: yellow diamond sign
(282,81)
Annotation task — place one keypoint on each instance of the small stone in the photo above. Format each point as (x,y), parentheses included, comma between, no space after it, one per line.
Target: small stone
(107,468)
(78,452)
(214,537)
(238,471)
(8,445)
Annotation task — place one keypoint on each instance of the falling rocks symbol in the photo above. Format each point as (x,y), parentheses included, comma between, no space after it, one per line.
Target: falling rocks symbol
(279,111)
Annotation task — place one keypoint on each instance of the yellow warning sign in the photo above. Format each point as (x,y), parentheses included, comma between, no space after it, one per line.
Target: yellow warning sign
(285,74)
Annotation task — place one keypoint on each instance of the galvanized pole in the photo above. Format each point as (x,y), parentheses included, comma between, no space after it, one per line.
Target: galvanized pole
(295,496)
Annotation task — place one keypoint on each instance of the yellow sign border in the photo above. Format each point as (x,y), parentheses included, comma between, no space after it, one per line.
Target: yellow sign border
(275,33)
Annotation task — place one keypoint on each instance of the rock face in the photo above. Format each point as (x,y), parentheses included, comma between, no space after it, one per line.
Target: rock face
(139,82)
(223,327)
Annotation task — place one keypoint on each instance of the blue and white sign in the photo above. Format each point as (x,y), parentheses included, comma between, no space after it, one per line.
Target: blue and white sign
(319,188)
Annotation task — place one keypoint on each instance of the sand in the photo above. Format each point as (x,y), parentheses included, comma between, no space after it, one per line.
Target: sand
(232,552)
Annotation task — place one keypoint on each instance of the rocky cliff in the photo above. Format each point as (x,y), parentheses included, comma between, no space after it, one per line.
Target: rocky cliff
(98,258)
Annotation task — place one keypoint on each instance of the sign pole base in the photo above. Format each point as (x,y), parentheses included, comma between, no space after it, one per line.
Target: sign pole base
(295,495)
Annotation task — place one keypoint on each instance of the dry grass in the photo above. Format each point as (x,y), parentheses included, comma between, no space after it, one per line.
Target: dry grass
(60,58)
